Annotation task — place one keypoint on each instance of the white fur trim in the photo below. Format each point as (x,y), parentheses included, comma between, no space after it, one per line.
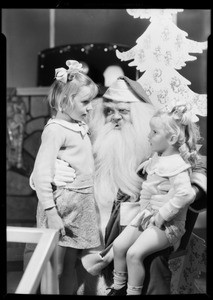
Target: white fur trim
(120,91)
(31,183)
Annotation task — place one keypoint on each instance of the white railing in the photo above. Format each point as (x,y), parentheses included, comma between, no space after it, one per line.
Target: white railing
(43,260)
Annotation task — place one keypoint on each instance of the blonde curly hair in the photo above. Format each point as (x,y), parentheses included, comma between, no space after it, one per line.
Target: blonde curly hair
(178,122)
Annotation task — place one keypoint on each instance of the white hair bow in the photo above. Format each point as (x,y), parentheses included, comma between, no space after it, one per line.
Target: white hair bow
(61,74)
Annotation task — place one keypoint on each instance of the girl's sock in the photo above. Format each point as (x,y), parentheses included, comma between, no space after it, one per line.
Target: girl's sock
(134,290)
(120,279)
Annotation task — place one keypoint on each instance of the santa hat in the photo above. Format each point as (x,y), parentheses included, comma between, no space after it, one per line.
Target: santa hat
(125,89)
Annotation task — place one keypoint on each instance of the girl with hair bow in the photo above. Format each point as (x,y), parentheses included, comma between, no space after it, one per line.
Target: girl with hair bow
(69,208)
(159,223)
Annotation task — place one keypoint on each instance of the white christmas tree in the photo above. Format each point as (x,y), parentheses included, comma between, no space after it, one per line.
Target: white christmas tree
(161,50)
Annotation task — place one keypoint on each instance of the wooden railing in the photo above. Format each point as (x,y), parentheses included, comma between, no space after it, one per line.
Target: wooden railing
(43,261)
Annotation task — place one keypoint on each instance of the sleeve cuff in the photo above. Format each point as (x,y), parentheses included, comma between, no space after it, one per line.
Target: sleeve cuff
(31,183)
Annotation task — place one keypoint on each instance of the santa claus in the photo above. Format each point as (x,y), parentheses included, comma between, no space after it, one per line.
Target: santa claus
(119,132)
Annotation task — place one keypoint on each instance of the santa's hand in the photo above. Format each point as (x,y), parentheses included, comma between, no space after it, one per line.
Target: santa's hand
(63,173)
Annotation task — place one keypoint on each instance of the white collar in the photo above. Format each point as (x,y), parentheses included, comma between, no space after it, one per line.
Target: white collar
(78,127)
(167,166)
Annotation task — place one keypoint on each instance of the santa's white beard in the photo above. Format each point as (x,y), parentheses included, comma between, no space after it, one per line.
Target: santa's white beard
(117,156)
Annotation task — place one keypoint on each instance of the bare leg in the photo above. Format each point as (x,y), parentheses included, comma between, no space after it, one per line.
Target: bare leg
(151,240)
(61,253)
(121,244)
(68,281)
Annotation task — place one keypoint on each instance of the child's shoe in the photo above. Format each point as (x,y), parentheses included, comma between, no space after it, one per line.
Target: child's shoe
(120,292)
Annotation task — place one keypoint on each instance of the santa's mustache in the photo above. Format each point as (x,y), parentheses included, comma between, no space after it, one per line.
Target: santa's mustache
(109,127)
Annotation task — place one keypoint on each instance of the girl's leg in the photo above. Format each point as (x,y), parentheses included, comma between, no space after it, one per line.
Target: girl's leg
(68,279)
(151,240)
(120,246)
(61,253)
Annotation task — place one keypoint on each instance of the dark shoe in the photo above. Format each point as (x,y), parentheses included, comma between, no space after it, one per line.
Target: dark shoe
(120,292)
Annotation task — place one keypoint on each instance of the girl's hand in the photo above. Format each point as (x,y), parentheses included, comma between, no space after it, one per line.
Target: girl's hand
(54,220)
(63,173)
(152,220)
(158,221)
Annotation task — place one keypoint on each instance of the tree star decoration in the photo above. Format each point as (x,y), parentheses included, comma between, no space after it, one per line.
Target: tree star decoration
(161,50)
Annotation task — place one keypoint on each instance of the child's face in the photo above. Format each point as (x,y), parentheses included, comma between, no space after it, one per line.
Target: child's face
(158,137)
(81,104)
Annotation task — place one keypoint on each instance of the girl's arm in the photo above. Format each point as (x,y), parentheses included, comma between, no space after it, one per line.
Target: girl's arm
(184,194)
(198,182)
(51,141)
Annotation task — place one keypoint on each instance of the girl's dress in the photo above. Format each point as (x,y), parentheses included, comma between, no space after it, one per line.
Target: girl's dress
(168,176)
(74,202)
